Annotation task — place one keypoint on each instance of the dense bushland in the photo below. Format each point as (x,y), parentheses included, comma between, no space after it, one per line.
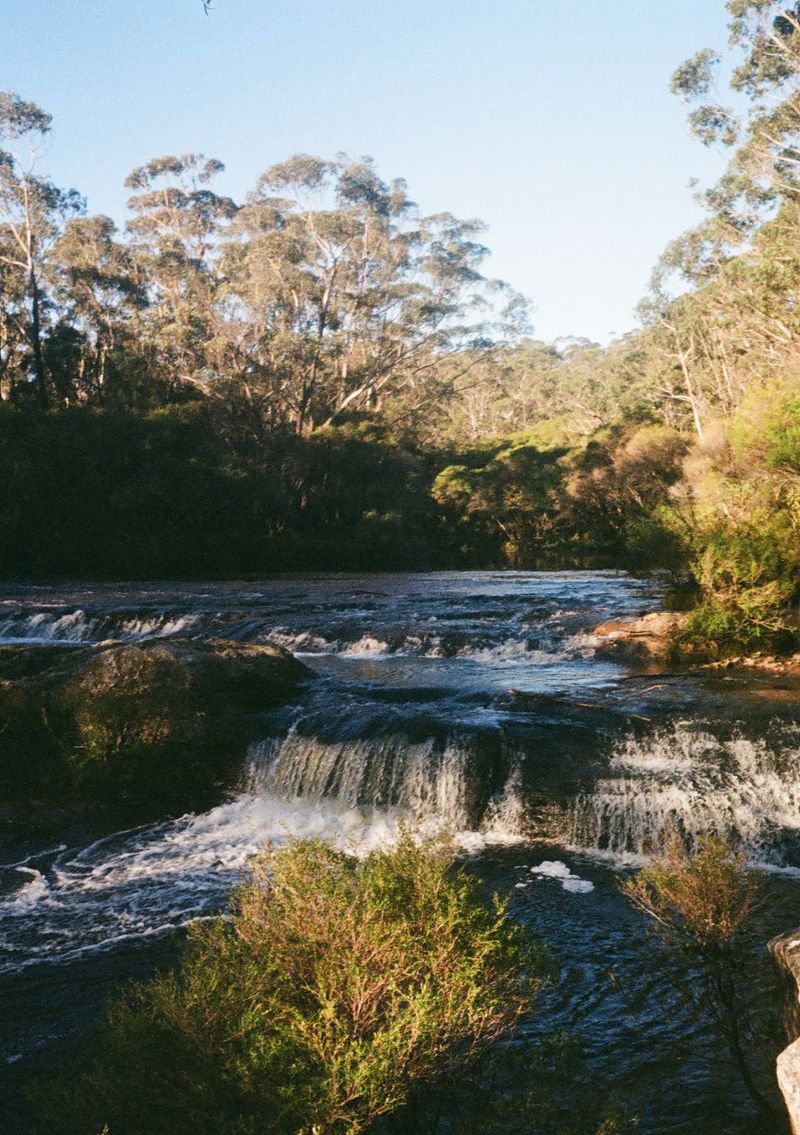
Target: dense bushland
(178,492)
(321,377)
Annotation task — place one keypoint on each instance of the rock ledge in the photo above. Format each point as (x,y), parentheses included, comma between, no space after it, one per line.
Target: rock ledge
(649,635)
(155,725)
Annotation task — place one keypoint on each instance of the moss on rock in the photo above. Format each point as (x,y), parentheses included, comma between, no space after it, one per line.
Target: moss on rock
(140,725)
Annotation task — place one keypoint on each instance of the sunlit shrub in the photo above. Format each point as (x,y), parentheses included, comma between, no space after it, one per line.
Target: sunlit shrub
(701,905)
(749,575)
(337,989)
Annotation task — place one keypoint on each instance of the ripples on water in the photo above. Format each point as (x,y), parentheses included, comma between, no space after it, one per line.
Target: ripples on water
(462,701)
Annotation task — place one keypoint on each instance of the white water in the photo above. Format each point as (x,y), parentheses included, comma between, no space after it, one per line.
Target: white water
(79,627)
(558,870)
(546,647)
(509,650)
(148,881)
(745,791)
(418,779)
(359,793)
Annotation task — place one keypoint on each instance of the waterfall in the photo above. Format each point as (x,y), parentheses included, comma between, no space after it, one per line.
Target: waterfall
(685,779)
(463,783)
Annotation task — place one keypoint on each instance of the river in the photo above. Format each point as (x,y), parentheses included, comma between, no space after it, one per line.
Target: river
(478,702)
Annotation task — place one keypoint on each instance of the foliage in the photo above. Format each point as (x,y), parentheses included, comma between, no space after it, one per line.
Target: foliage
(338,989)
(701,904)
(181,491)
(750,576)
(188,490)
(320,377)
(324,293)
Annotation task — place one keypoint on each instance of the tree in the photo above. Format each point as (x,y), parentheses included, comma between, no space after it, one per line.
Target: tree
(32,210)
(96,283)
(174,238)
(344,293)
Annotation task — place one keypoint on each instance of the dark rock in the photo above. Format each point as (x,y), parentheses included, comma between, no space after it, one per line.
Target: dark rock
(158,722)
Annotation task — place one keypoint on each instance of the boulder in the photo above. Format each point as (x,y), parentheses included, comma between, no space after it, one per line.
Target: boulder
(648,635)
(156,723)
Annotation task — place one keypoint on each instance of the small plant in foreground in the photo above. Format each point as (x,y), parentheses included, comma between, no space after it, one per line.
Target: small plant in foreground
(337,989)
(701,904)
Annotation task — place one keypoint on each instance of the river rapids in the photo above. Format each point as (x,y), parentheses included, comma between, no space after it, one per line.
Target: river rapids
(479,703)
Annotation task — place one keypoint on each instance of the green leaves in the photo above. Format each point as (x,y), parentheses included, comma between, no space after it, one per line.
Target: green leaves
(695,77)
(339,988)
(19,117)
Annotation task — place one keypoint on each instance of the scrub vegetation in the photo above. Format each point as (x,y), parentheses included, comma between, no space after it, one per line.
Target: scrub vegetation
(701,905)
(341,995)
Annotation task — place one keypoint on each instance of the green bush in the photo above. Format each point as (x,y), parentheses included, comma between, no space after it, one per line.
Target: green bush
(749,574)
(338,990)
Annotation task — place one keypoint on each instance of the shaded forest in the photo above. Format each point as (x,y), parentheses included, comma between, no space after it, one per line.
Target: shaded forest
(321,377)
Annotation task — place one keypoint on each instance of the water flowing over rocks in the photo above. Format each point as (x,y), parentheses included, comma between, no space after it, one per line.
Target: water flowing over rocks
(688,779)
(480,703)
(461,783)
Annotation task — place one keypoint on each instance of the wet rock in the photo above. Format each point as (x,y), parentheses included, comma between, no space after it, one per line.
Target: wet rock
(650,635)
(154,724)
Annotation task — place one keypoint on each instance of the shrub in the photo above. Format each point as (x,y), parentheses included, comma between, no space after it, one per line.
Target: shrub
(701,905)
(749,576)
(337,989)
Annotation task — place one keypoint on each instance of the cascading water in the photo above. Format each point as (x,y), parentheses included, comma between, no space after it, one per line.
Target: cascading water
(79,626)
(451,781)
(475,702)
(356,793)
(691,782)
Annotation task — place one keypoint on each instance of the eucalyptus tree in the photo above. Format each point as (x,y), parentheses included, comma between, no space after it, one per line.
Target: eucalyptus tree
(102,298)
(14,342)
(342,293)
(762,125)
(32,213)
(174,237)
(738,324)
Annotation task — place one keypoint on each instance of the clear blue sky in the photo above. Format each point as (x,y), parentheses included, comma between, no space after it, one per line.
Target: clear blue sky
(549,119)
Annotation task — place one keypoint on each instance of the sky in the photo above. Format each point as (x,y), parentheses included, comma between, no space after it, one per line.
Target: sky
(551,120)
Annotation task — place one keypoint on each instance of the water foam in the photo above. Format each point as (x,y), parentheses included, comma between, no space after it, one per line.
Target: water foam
(45,626)
(78,626)
(743,790)
(556,869)
(356,795)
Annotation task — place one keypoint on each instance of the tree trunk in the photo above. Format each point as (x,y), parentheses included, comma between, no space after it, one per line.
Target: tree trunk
(36,341)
